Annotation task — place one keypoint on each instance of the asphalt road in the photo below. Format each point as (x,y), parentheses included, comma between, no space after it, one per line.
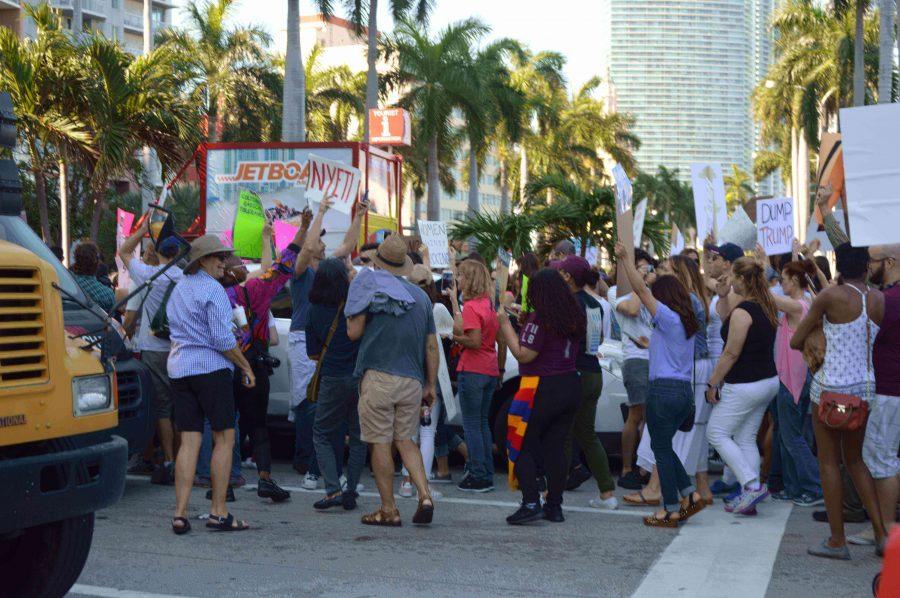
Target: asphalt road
(469,550)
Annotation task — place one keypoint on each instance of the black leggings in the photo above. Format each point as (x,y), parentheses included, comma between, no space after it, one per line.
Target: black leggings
(253,405)
(555,404)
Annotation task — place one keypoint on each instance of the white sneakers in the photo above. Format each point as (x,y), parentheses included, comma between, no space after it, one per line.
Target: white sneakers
(407,490)
(310,482)
(359,487)
(605,504)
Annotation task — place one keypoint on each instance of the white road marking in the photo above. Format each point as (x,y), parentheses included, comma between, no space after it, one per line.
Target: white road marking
(105,592)
(716,552)
(627,511)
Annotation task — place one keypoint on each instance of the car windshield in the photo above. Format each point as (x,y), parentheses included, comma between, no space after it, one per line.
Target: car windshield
(15,230)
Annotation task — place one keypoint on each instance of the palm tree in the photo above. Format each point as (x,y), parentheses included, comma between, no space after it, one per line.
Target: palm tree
(293,110)
(415,165)
(334,99)
(39,73)
(217,60)
(737,187)
(435,79)
(668,196)
(512,232)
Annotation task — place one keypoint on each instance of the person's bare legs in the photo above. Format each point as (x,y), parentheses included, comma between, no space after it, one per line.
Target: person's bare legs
(166,432)
(185,466)
(383,470)
(220,470)
(412,460)
(828,445)
(862,480)
(651,491)
(630,436)
(701,481)
(443,466)
(888,491)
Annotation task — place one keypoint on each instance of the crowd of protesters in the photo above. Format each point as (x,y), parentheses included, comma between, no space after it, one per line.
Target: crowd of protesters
(789,375)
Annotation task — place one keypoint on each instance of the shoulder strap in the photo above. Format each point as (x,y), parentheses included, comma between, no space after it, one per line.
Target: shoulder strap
(328,337)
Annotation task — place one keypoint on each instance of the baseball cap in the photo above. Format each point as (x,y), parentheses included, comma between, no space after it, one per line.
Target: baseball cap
(169,247)
(727,251)
(575,266)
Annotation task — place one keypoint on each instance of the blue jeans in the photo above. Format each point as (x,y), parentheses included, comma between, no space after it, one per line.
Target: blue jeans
(206,451)
(800,470)
(304,448)
(337,410)
(669,402)
(475,394)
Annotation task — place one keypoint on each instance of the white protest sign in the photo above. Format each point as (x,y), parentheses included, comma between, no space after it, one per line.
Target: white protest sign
(434,236)
(124,222)
(623,189)
(813,232)
(336,180)
(677,242)
(872,173)
(640,214)
(775,224)
(709,198)
(740,230)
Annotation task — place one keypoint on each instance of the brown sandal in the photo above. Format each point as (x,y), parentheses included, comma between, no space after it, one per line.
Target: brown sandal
(381,518)
(425,512)
(667,521)
(642,501)
(692,508)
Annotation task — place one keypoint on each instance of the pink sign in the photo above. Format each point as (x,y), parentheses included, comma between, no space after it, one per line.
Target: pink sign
(227,238)
(284,234)
(124,222)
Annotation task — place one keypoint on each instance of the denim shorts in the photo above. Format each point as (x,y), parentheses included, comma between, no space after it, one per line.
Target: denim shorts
(636,376)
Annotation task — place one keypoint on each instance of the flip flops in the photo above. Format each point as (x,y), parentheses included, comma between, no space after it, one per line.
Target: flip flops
(642,501)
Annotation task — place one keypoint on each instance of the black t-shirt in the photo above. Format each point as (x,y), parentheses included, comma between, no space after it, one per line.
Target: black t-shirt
(757,358)
(340,358)
(588,361)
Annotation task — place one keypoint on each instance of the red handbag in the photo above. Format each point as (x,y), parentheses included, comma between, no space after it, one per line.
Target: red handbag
(843,412)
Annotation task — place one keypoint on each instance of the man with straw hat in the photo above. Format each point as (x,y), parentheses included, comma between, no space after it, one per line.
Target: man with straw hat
(203,355)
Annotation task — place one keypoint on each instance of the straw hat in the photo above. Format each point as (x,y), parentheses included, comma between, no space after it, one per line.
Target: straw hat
(204,246)
(419,274)
(391,256)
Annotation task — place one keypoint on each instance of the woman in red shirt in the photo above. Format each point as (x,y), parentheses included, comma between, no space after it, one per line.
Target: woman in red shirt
(475,328)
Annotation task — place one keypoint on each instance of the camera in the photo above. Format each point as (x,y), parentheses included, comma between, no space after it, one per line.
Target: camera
(267,362)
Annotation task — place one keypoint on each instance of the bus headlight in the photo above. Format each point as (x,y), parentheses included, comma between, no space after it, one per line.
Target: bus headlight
(91,394)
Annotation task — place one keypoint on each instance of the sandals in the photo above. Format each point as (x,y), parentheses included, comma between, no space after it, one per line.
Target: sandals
(226,524)
(425,512)
(642,502)
(383,519)
(667,521)
(692,508)
(182,529)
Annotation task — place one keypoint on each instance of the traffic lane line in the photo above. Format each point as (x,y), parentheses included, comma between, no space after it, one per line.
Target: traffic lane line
(691,565)
(107,592)
(627,512)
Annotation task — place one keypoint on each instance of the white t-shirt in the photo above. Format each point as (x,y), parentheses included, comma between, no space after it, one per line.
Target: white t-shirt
(632,327)
(714,342)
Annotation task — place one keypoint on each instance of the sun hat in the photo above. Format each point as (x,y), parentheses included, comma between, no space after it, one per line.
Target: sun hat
(420,274)
(204,246)
(391,256)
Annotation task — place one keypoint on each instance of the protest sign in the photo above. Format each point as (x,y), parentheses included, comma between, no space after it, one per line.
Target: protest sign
(335,180)
(284,234)
(709,198)
(124,222)
(831,171)
(624,224)
(775,224)
(872,173)
(248,226)
(640,214)
(434,236)
(227,238)
(740,230)
(677,242)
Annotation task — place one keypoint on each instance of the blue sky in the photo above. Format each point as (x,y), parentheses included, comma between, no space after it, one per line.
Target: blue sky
(567,26)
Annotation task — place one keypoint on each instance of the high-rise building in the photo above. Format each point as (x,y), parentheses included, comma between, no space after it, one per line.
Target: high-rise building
(686,69)
(117,19)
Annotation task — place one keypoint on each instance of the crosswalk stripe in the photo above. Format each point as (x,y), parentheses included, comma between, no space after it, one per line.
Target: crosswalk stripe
(106,592)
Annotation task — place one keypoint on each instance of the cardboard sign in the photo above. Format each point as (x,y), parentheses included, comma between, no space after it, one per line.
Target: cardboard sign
(624,224)
(775,224)
(640,214)
(434,236)
(124,222)
(390,126)
(872,173)
(831,171)
(284,234)
(740,230)
(248,226)
(709,198)
(335,180)
(624,190)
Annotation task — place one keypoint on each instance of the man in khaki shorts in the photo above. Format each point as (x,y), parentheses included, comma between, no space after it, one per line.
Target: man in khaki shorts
(397,366)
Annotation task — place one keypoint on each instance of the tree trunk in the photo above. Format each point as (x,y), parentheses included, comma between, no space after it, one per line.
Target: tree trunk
(148,26)
(212,125)
(859,75)
(794,169)
(64,211)
(98,199)
(523,173)
(40,196)
(293,107)
(433,182)
(801,201)
(473,182)
(885,51)
(372,73)
(504,189)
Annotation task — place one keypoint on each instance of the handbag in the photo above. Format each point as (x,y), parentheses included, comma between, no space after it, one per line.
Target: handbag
(312,389)
(159,324)
(845,412)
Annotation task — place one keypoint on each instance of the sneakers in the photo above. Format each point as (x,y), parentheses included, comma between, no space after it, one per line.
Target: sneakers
(808,500)
(406,490)
(470,484)
(343,480)
(269,489)
(577,477)
(163,474)
(863,538)
(783,496)
(527,513)
(605,504)
(631,480)
(441,479)
(749,499)
(849,517)
(829,552)
(731,499)
(238,481)
(248,463)
(310,481)
(719,487)
(141,467)
(553,513)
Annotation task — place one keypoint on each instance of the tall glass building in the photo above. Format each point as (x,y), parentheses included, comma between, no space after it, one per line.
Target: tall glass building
(686,69)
